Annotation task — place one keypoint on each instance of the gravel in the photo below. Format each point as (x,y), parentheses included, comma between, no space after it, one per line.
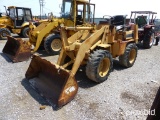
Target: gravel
(124,92)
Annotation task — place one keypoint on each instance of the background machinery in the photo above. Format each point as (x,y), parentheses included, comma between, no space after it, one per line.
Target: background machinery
(157,30)
(16,21)
(145,21)
(47,34)
(92,45)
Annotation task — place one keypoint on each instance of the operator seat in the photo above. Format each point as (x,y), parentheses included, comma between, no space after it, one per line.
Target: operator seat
(119,21)
(79,20)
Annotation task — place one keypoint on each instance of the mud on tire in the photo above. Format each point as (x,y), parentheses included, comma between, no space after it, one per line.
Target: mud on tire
(53,44)
(99,65)
(129,56)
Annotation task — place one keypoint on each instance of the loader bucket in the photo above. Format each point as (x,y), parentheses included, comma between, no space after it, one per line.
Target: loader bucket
(51,81)
(17,49)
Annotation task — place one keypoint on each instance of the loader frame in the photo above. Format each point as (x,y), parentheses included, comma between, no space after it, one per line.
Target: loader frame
(111,41)
(78,49)
(91,45)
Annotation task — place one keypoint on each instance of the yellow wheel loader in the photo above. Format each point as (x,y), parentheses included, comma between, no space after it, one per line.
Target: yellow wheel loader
(16,21)
(94,46)
(47,34)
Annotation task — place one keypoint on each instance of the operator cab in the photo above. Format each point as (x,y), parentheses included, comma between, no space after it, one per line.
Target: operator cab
(142,18)
(84,11)
(19,15)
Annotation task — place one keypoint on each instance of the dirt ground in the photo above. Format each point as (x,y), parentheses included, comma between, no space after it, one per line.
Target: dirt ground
(126,95)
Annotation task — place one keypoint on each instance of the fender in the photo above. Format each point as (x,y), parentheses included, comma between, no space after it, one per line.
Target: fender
(5,22)
(25,24)
(3,26)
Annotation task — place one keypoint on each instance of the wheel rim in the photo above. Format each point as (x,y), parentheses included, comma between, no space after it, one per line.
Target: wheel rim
(151,39)
(132,56)
(104,67)
(56,44)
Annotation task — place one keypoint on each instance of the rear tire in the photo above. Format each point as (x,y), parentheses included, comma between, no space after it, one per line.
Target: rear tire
(25,32)
(99,65)
(148,39)
(157,40)
(4,32)
(53,44)
(129,56)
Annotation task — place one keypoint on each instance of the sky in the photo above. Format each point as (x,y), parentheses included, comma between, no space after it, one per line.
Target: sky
(103,7)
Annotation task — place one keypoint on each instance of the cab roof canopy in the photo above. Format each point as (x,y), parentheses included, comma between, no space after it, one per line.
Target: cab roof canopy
(144,12)
(84,1)
(11,6)
(17,7)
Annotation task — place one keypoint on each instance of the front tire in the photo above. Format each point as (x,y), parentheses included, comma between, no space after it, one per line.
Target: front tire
(129,56)
(99,65)
(25,32)
(4,32)
(148,40)
(53,44)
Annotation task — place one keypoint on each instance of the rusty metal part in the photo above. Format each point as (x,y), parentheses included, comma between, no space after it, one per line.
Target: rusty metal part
(17,49)
(42,107)
(155,109)
(53,82)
